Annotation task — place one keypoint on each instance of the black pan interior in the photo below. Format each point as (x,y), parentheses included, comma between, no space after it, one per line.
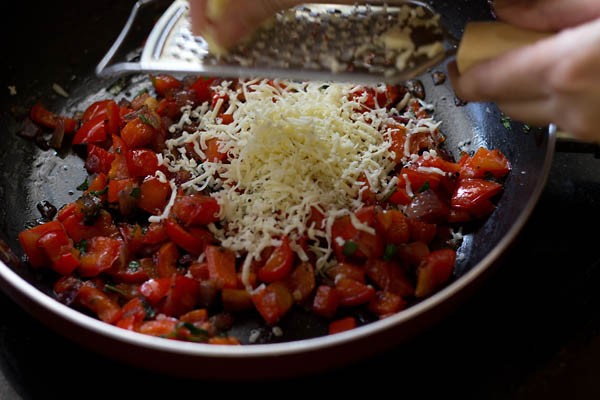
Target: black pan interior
(61,42)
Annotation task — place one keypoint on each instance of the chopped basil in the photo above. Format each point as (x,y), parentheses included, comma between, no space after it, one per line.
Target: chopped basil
(150,313)
(350,248)
(144,119)
(198,335)
(134,265)
(84,186)
(135,193)
(506,121)
(82,246)
(113,288)
(425,187)
(389,252)
(99,193)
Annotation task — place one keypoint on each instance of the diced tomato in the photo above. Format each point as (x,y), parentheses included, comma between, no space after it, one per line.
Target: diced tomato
(202,89)
(412,253)
(160,327)
(133,314)
(182,296)
(100,255)
(342,325)
(470,193)
(398,142)
(167,258)
(98,160)
(154,195)
(125,193)
(221,266)
(347,270)
(184,239)
(236,299)
(142,162)
(42,116)
(227,341)
(199,271)
(326,301)
(212,151)
(353,243)
(29,242)
(390,277)
(164,83)
(60,251)
(196,209)
(168,108)
(301,281)
(279,264)
(484,162)
(421,231)
(155,233)
(428,206)
(79,228)
(109,110)
(137,133)
(119,168)
(194,316)
(226,119)
(353,293)
(154,290)
(134,271)
(434,271)
(392,224)
(400,197)
(272,301)
(99,303)
(92,131)
(386,303)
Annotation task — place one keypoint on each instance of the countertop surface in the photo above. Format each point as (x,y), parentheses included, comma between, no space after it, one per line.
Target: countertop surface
(531,330)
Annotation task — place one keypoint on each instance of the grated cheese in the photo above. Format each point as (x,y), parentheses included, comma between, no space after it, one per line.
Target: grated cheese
(291,147)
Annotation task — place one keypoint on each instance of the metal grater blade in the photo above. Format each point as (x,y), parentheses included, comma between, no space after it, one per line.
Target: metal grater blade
(391,42)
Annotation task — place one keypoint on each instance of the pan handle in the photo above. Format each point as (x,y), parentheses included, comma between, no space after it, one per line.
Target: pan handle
(124,55)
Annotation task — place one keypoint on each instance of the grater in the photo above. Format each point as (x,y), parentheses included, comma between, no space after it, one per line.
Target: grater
(390,41)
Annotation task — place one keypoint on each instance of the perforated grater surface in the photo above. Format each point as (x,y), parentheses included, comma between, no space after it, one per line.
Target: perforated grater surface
(389,42)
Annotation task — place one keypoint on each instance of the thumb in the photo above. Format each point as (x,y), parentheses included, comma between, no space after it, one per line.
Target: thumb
(227,22)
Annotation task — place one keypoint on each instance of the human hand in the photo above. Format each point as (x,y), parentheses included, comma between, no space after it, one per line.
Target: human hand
(224,23)
(555,80)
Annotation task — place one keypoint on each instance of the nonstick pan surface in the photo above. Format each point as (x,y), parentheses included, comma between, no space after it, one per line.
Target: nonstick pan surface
(66,40)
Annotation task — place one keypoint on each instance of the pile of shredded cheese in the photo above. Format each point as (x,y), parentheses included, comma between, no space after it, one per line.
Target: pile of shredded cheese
(291,147)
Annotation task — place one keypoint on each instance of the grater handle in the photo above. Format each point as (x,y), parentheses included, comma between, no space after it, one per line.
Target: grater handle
(485,40)
(123,57)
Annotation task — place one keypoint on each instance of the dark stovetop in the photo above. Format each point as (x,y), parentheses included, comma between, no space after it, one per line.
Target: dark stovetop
(532,329)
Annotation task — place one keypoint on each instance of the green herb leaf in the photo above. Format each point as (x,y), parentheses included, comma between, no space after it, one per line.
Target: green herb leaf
(99,193)
(425,187)
(82,246)
(84,186)
(350,248)
(389,252)
(134,265)
(144,119)
(136,192)
(198,335)
(506,121)
(113,288)
(150,313)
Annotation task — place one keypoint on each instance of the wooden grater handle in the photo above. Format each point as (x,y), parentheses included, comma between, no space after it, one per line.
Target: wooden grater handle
(484,40)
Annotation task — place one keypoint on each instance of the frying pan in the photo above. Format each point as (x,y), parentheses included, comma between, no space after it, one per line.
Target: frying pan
(68,38)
